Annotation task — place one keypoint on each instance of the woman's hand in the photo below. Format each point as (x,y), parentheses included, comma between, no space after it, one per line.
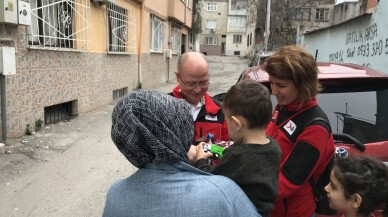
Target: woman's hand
(191,154)
(201,153)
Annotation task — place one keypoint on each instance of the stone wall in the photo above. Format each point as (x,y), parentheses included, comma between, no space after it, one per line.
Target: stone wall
(46,78)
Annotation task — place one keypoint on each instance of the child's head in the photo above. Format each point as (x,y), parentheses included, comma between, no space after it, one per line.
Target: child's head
(358,185)
(249,100)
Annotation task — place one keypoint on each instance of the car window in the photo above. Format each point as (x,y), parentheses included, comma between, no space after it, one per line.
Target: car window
(359,114)
(353,113)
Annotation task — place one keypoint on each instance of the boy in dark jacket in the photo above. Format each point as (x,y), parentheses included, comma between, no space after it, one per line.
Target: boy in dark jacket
(253,161)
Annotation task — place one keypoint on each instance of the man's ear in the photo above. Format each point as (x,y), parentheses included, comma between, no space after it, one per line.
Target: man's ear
(238,123)
(356,201)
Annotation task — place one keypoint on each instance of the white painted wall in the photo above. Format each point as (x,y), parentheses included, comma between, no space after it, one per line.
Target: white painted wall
(363,40)
(232,47)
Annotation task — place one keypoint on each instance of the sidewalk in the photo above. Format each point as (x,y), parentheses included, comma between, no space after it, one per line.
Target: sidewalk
(31,150)
(65,169)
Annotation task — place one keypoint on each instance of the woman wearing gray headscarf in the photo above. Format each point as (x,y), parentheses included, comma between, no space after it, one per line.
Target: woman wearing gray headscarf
(154,132)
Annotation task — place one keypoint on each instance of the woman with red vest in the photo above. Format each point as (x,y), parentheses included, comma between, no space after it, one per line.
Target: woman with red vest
(306,150)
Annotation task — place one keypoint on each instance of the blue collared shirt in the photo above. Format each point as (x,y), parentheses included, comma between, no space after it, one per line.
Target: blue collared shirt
(176,189)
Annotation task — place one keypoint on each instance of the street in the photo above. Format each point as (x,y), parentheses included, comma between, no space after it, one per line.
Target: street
(65,169)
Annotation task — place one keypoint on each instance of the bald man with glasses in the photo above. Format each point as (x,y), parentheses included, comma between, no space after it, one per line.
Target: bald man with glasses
(193,82)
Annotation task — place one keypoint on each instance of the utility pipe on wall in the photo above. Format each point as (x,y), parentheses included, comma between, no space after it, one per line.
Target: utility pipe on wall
(3,109)
(139,70)
(267,25)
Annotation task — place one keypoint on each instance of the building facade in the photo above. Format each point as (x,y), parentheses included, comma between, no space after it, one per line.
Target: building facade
(224,25)
(236,37)
(214,27)
(361,40)
(74,56)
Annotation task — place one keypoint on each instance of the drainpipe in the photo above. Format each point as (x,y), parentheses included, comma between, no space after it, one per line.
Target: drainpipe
(267,24)
(3,109)
(139,70)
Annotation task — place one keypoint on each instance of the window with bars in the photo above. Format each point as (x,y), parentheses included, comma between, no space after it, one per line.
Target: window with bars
(157,35)
(237,39)
(321,14)
(176,40)
(210,40)
(211,6)
(59,24)
(122,29)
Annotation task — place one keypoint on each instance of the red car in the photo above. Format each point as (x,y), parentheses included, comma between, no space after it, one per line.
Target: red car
(355,99)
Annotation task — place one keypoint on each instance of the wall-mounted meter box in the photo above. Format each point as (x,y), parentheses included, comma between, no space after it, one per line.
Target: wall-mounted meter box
(7,61)
(24,12)
(9,11)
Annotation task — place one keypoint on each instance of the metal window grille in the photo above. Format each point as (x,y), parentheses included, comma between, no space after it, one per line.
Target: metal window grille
(157,36)
(117,94)
(56,113)
(176,40)
(59,24)
(122,29)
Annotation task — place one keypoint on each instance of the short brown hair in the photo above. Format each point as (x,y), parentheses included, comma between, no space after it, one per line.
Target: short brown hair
(295,64)
(251,100)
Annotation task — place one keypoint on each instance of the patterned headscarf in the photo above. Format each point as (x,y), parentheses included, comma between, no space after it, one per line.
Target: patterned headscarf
(151,126)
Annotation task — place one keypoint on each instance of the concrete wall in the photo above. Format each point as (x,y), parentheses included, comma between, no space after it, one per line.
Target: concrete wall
(346,11)
(233,47)
(211,50)
(363,40)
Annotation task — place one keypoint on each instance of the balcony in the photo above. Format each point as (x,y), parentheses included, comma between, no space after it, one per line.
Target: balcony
(179,12)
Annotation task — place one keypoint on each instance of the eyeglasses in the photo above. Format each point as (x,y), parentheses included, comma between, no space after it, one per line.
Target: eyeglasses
(193,85)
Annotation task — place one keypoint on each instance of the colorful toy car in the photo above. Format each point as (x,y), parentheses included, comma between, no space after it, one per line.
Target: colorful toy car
(216,150)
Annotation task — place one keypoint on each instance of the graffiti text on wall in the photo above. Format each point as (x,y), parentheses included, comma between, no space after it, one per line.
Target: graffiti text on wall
(369,33)
(362,43)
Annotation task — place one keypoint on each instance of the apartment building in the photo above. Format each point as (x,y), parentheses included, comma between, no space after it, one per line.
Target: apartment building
(67,57)
(224,27)
(214,27)
(236,37)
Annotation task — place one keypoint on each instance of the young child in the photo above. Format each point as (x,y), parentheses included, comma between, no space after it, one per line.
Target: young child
(358,186)
(253,161)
